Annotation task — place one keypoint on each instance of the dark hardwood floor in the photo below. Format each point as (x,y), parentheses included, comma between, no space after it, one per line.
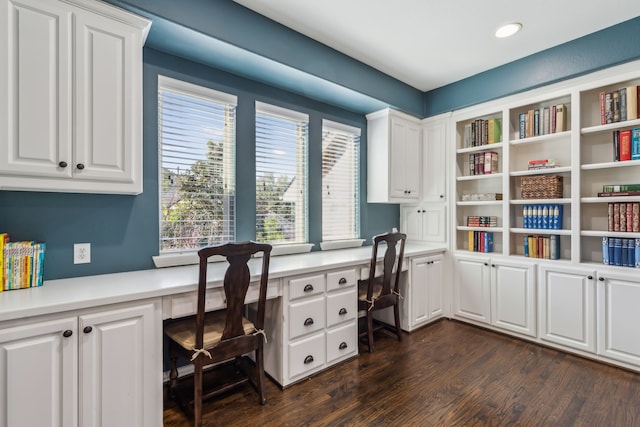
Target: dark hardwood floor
(445,374)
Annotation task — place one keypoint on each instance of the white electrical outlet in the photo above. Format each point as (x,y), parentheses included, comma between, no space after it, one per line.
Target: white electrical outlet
(82,253)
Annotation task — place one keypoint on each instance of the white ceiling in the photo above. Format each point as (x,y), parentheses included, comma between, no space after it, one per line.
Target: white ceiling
(428,44)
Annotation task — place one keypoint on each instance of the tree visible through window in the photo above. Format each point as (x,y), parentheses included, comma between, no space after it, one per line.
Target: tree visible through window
(197,158)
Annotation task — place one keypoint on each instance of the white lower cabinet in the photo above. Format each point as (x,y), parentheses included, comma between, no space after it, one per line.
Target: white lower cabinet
(424,222)
(496,291)
(93,368)
(313,325)
(567,301)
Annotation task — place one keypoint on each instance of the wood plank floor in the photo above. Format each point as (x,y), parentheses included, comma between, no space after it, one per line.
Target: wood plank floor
(445,374)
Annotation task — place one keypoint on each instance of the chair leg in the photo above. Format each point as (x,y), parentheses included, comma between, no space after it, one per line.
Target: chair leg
(370,330)
(260,377)
(173,374)
(197,393)
(396,314)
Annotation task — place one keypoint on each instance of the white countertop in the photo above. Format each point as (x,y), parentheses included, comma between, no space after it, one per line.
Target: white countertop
(61,295)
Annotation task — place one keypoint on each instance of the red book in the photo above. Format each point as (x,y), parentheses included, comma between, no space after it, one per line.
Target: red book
(629,217)
(603,119)
(625,144)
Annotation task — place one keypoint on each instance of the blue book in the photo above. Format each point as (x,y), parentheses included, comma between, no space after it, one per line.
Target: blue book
(554,246)
(525,216)
(544,218)
(611,250)
(617,251)
(631,260)
(535,219)
(526,246)
(605,250)
(557,217)
(488,241)
(625,253)
(635,144)
(637,253)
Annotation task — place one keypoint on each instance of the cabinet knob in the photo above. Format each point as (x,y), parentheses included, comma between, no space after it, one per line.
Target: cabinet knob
(442,196)
(342,345)
(80,166)
(308,359)
(342,281)
(418,211)
(601,279)
(308,321)
(62,164)
(308,287)
(486,263)
(67,333)
(423,211)
(87,329)
(342,311)
(493,265)
(590,277)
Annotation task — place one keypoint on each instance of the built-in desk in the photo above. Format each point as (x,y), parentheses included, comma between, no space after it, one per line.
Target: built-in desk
(95,343)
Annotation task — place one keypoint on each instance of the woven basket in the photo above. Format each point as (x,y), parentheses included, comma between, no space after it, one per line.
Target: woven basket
(542,187)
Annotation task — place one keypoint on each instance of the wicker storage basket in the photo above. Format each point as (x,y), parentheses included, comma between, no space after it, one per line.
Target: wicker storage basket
(542,187)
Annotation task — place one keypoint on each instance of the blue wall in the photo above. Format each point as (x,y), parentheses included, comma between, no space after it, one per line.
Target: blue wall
(123,230)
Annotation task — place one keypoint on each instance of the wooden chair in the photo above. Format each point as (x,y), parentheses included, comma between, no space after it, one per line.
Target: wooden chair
(224,335)
(380,292)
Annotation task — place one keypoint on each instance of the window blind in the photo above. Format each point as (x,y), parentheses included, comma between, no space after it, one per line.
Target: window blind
(340,181)
(196,127)
(281,175)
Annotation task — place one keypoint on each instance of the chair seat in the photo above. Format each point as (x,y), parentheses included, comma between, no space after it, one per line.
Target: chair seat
(363,287)
(183,332)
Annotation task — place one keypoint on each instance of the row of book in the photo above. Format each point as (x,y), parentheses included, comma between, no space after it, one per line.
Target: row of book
(482,132)
(621,252)
(542,217)
(480,241)
(482,221)
(543,121)
(21,264)
(624,217)
(468,197)
(483,163)
(626,145)
(619,105)
(546,247)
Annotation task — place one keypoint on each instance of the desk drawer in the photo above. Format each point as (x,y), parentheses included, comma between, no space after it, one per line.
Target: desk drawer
(306,355)
(306,317)
(341,279)
(341,307)
(186,304)
(306,286)
(342,342)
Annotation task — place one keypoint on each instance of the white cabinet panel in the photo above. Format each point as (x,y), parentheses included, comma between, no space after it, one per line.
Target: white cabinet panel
(306,317)
(472,292)
(434,163)
(341,307)
(306,355)
(513,297)
(424,222)
(342,342)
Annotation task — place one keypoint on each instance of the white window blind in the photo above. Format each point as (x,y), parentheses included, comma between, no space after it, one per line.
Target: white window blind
(281,175)
(196,127)
(340,181)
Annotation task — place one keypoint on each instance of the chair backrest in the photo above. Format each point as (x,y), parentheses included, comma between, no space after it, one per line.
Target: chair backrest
(236,285)
(391,264)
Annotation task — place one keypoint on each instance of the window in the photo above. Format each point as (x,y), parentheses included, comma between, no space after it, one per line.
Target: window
(340,182)
(196,128)
(281,175)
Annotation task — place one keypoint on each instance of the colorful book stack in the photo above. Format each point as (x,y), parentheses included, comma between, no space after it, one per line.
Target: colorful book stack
(482,221)
(542,217)
(626,145)
(483,163)
(624,217)
(620,105)
(21,264)
(547,247)
(543,121)
(480,241)
(482,132)
(621,252)
(541,164)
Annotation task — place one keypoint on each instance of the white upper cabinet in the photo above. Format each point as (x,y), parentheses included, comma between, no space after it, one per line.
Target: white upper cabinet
(394,150)
(434,163)
(71,97)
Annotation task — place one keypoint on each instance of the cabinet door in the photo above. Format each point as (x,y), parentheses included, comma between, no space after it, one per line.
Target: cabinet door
(619,317)
(434,170)
(108,76)
(35,88)
(413,161)
(405,160)
(419,298)
(411,222)
(434,223)
(435,279)
(567,307)
(121,365)
(38,374)
(513,296)
(472,297)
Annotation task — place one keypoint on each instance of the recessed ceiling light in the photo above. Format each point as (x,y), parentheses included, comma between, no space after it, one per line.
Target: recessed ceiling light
(508,30)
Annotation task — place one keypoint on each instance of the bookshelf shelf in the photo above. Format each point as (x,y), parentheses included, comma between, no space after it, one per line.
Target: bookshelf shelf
(491,229)
(542,138)
(479,177)
(621,199)
(556,170)
(539,231)
(610,127)
(597,233)
(480,203)
(610,165)
(479,148)
(564,201)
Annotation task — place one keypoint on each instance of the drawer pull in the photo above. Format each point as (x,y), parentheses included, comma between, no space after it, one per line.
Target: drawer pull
(342,311)
(342,345)
(342,281)
(308,321)
(308,359)
(67,333)
(87,329)
(308,287)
